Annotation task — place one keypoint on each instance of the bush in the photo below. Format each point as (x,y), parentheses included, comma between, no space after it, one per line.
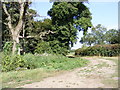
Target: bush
(30,61)
(43,47)
(51,47)
(59,62)
(99,50)
(7,48)
(10,63)
(18,62)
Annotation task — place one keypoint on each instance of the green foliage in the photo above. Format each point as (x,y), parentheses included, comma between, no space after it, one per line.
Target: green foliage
(100,35)
(67,19)
(30,61)
(18,62)
(97,36)
(38,30)
(10,63)
(57,48)
(88,39)
(57,62)
(99,50)
(43,47)
(13,9)
(112,36)
(7,48)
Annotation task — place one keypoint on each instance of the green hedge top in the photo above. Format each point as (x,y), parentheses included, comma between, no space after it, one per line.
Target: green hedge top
(99,50)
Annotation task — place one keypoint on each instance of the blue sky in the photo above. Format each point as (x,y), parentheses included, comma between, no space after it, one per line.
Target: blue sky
(105,13)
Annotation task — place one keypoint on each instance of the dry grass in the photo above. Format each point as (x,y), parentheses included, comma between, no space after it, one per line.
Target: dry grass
(17,78)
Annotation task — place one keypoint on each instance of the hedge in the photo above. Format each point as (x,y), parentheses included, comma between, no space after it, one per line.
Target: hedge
(99,50)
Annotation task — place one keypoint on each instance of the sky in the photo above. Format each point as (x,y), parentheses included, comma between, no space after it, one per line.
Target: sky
(105,13)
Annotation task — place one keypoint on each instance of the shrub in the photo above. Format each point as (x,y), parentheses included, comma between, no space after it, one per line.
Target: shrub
(43,47)
(30,61)
(51,47)
(99,50)
(16,62)
(58,62)
(7,48)
(10,63)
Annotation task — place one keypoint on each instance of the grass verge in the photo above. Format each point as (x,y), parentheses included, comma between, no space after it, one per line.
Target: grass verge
(46,66)
(17,78)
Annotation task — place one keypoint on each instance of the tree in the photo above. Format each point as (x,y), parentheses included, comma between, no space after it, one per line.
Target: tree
(35,33)
(25,34)
(16,13)
(27,39)
(100,35)
(88,39)
(97,36)
(67,19)
(112,36)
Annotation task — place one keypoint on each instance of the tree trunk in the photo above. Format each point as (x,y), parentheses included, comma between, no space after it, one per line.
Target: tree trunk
(15,49)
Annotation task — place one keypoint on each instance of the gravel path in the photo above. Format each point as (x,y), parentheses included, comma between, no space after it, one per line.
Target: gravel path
(90,76)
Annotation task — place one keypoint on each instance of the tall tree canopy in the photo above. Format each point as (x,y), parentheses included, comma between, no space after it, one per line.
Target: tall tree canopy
(88,39)
(100,35)
(40,34)
(96,36)
(112,36)
(67,19)
(59,33)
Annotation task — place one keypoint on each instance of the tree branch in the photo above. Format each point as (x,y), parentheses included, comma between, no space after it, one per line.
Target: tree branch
(40,36)
(23,9)
(9,18)
(20,22)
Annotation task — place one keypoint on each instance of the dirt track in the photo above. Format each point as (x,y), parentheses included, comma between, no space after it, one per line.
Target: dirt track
(90,76)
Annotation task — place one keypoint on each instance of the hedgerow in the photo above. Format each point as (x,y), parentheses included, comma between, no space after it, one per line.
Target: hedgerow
(99,50)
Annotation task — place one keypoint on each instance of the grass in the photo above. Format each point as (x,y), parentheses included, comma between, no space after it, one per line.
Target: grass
(45,66)
(58,62)
(17,78)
